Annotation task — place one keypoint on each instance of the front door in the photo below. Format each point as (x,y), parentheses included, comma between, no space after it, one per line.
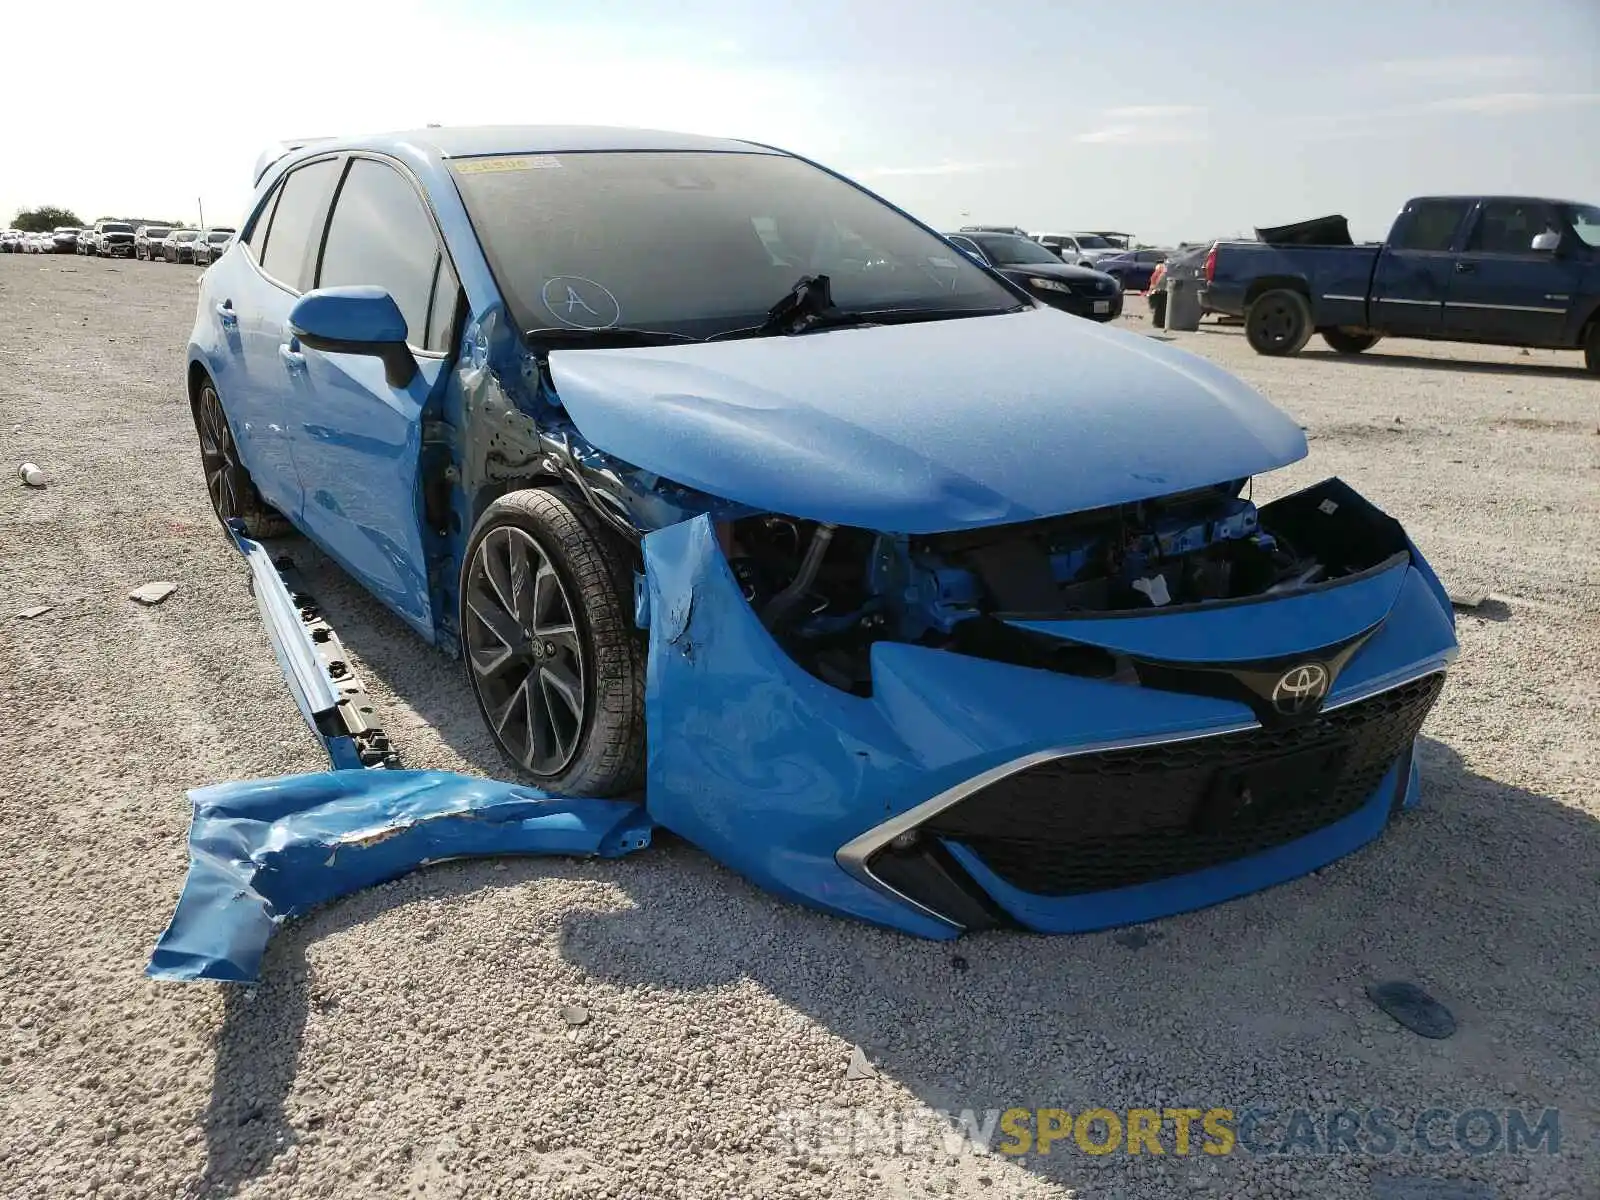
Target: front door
(1414,270)
(358,439)
(1502,289)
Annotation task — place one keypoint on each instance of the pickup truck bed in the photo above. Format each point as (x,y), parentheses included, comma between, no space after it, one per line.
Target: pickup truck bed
(1499,270)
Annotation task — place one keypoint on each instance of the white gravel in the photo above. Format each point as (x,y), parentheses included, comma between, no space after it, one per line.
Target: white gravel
(418,1039)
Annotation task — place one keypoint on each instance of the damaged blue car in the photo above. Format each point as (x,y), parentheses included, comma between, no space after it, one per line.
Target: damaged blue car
(747,498)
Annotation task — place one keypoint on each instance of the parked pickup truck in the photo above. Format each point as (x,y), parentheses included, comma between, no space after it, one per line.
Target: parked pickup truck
(1504,270)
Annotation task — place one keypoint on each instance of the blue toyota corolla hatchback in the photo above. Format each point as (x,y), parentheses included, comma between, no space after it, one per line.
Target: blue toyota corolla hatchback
(733,484)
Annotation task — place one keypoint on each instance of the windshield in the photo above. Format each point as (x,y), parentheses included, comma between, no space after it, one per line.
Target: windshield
(185,235)
(1091,241)
(1008,248)
(156,231)
(218,236)
(698,243)
(1585,220)
(116,227)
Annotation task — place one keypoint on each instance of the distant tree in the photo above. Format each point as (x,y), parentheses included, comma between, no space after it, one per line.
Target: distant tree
(44,219)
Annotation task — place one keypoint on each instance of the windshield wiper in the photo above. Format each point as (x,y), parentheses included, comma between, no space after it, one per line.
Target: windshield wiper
(611,336)
(854,318)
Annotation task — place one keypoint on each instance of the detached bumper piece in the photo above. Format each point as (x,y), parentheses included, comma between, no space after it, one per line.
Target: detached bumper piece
(264,850)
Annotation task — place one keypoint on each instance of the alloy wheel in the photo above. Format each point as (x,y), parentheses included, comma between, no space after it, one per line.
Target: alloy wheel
(525,652)
(226,479)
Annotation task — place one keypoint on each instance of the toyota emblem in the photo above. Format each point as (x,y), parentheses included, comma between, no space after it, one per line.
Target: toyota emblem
(1300,689)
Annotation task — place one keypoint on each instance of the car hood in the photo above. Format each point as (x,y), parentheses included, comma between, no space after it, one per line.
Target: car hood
(1066,272)
(929,427)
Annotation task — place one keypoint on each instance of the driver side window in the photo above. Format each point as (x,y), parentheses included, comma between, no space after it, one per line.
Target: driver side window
(380,234)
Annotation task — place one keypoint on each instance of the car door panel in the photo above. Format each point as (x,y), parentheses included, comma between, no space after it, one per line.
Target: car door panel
(358,445)
(1412,278)
(1502,290)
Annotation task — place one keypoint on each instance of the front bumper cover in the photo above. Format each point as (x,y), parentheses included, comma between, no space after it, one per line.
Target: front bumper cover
(825,797)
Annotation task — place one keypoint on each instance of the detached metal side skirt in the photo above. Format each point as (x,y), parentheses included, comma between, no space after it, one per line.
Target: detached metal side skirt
(321,679)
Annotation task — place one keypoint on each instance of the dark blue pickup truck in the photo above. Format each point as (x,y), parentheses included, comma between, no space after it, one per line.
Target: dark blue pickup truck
(1506,270)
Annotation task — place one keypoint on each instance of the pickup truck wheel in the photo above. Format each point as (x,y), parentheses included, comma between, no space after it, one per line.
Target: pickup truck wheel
(1591,347)
(1347,341)
(1279,322)
(547,631)
(233,492)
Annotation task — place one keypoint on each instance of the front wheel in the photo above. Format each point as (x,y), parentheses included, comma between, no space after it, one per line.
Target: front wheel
(1350,341)
(233,492)
(1278,323)
(548,635)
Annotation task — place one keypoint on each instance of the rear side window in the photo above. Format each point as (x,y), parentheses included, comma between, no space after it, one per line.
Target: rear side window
(257,240)
(1509,226)
(302,201)
(1431,225)
(381,234)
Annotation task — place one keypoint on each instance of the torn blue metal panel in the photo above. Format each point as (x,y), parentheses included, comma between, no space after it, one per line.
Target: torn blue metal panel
(263,850)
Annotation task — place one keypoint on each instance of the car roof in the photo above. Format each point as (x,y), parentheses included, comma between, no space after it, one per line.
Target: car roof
(470,141)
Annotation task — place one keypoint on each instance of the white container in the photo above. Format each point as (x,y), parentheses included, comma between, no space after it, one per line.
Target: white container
(32,474)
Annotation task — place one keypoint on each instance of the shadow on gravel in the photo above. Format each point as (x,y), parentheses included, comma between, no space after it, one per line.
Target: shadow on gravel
(1500,882)
(257,1051)
(1416,361)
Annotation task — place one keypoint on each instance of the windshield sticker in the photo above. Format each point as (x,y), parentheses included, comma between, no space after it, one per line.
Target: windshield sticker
(489,166)
(580,303)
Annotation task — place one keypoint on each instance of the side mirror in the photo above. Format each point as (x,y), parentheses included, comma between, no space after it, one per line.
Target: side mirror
(356,320)
(1547,241)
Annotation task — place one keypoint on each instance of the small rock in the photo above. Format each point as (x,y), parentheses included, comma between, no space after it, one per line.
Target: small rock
(153,593)
(574,1014)
(859,1067)
(958,963)
(38,610)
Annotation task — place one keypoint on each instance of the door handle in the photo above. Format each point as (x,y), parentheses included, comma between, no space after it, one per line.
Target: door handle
(1466,268)
(226,314)
(293,360)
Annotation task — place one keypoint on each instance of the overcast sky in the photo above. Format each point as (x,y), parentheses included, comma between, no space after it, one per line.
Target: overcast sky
(1168,118)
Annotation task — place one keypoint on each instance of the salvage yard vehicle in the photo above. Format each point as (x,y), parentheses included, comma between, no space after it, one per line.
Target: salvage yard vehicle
(147,241)
(209,246)
(178,246)
(1081,291)
(113,239)
(1498,270)
(934,606)
(62,240)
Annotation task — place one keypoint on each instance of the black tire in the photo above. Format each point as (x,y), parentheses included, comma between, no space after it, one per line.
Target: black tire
(1278,323)
(1591,347)
(233,493)
(1347,341)
(599,751)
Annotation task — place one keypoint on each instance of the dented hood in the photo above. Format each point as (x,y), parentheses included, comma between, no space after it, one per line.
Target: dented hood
(930,427)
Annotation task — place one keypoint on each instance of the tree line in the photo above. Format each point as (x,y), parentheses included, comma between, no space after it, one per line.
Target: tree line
(47,217)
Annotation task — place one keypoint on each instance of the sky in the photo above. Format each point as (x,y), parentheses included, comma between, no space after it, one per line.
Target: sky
(1169,119)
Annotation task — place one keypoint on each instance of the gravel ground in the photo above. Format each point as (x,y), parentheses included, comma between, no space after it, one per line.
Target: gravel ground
(410,1040)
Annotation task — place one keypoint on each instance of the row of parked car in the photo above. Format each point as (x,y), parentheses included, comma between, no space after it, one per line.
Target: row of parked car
(119,239)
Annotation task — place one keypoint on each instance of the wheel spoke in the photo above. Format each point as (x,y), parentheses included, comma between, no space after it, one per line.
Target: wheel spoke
(563,637)
(518,699)
(487,661)
(566,687)
(495,569)
(495,620)
(523,588)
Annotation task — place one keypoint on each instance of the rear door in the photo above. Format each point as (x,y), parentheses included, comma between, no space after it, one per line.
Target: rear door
(1414,270)
(1503,290)
(251,303)
(358,439)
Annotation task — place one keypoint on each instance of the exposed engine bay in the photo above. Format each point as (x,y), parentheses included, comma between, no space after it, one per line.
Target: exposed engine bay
(828,592)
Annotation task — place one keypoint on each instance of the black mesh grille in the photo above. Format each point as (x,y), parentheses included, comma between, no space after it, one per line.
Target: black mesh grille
(1123,817)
